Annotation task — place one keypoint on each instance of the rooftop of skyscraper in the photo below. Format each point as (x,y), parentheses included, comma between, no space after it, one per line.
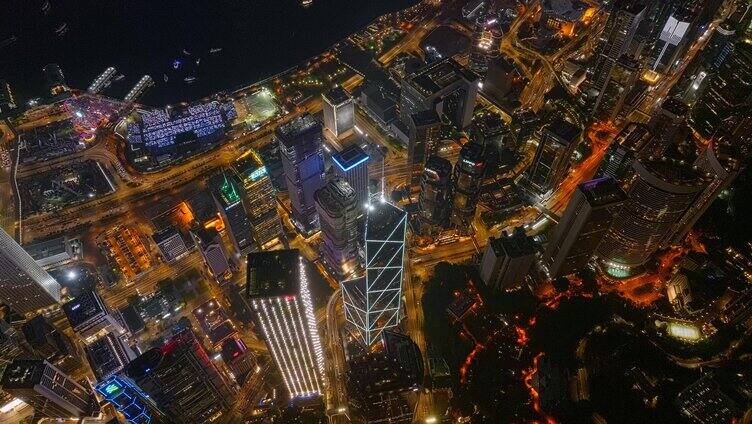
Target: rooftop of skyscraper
(425,117)
(516,245)
(602,191)
(564,131)
(336,195)
(350,157)
(273,274)
(23,374)
(634,136)
(337,95)
(437,76)
(674,172)
(294,130)
(382,222)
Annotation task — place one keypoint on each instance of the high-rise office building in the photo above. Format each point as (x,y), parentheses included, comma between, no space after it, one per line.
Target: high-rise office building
(372,303)
(259,197)
(303,161)
(673,38)
(238,358)
(435,195)
(215,256)
(624,74)
(661,194)
(490,130)
(424,131)
(525,123)
(668,126)
(339,111)
(443,86)
(376,384)
(627,145)
(727,93)
(88,315)
(468,176)
(721,160)
(226,191)
(171,243)
(553,155)
(51,392)
(616,39)
(54,78)
(507,260)
(182,380)
(338,209)
(108,355)
(7,102)
(278,292)
(351,164)
(24,285)
(128,399)
(586,220)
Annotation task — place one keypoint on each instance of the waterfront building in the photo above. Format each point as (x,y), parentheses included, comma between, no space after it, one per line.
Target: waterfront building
(227,195)
(215,256)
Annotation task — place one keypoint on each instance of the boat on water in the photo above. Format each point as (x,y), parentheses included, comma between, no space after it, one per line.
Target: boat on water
(189,80)
(8,41)
(62,29)
(306,3)
(119,77)
(186,52)
(176,64)
(215,50)
(198,61)
(165,78)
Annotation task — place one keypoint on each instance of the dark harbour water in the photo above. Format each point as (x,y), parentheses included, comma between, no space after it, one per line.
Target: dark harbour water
(258,38)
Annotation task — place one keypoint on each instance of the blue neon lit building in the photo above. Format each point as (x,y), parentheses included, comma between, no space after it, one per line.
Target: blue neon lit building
(129,400)
(352,165)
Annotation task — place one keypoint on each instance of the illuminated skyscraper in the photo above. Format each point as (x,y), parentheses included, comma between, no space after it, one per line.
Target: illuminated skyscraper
(372,303)
(50,391)
(507,260)
(182,380)
(466,181)
(620,30)
(727,93)
(303,161)
(721,160)
(617,162)
(24,285)
(339,111)
(278,291)
(227,195)
(673,38)
(624,74)
(443,86)
(668,126)
(424,130)
(351,164)
(338,209)
(128,399)
(435,195)
(553,155)
(259,197)
(586,220)
(661,194)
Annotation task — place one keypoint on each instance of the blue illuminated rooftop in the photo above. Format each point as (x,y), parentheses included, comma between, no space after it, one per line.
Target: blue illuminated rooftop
(350,157)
